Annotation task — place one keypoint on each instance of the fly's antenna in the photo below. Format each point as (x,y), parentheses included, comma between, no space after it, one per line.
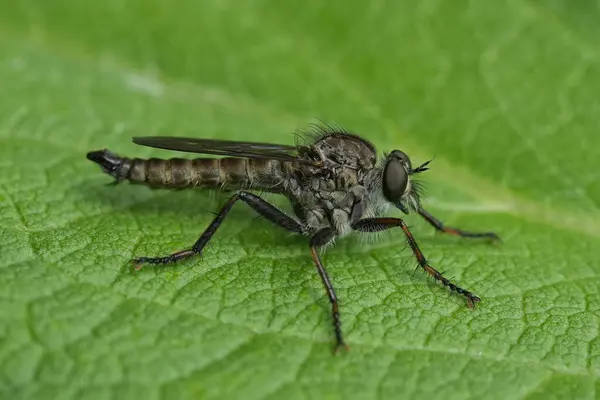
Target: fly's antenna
(421,168)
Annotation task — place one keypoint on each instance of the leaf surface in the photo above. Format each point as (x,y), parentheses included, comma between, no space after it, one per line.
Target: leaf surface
(504,95)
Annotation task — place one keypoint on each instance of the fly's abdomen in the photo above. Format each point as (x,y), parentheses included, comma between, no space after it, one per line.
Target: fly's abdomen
(172,173)
(179,173)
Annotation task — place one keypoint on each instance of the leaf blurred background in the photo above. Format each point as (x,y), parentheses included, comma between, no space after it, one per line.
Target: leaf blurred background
(503,94)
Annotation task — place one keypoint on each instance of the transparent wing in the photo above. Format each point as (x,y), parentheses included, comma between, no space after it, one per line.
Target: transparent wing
(226,148)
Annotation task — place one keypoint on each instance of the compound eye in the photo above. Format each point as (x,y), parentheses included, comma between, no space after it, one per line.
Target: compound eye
(395,179)
(403,157)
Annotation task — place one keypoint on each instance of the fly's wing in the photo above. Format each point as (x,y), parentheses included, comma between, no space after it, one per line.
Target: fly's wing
(227,148)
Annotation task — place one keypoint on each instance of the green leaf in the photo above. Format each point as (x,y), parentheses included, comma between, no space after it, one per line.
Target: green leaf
(503,94)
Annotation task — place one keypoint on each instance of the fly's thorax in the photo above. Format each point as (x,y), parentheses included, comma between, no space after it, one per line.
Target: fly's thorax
(335,193)
(327,180)
(344,148)
(329,207)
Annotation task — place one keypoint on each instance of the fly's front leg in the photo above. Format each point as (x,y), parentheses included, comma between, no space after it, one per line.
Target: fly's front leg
(381,224)
(319,239)
(439,226)
(259,205)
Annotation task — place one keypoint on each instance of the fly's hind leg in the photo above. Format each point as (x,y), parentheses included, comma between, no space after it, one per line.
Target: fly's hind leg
(439,226)
(259,205)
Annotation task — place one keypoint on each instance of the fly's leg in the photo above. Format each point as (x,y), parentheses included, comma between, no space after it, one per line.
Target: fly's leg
(321,238)
(259,205)
(381,224)
(439,226)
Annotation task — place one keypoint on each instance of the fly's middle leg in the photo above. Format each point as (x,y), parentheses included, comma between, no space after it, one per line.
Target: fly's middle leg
(440,227)
(258,204)
(321,238)
(381,224)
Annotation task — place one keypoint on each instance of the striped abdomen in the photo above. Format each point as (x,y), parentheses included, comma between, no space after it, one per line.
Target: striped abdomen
(179,173)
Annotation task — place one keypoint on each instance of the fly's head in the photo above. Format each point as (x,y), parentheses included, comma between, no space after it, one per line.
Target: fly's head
(398,183)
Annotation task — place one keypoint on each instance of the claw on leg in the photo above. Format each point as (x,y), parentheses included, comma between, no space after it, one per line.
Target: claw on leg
(340,346)
(440,227)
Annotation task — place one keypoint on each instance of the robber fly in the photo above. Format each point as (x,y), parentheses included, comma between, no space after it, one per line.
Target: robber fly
(332,179)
